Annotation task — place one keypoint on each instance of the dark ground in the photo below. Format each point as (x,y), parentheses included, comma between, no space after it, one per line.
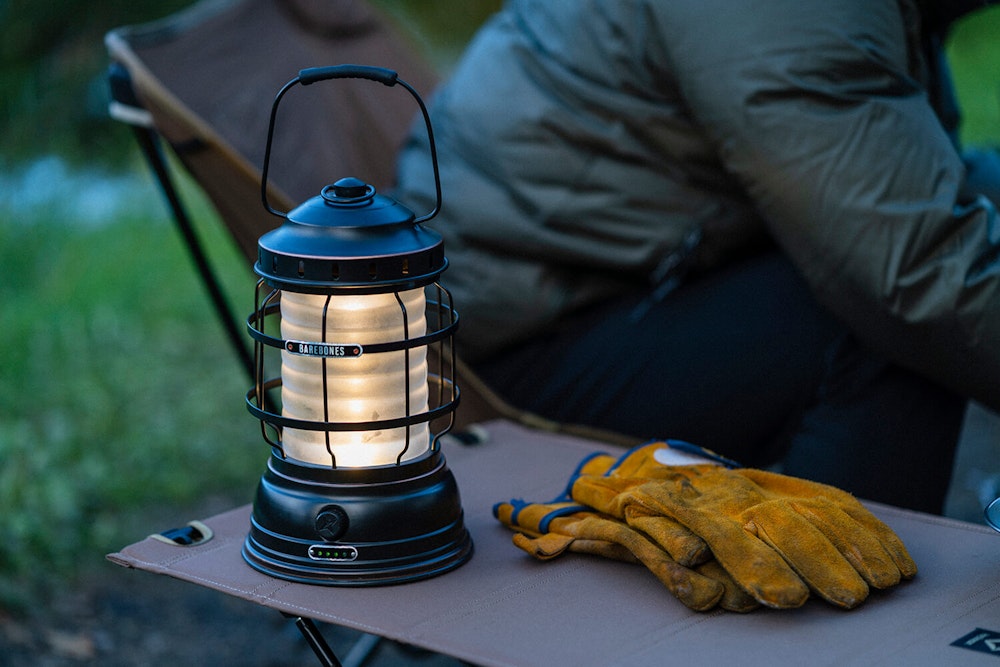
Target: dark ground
(123,618)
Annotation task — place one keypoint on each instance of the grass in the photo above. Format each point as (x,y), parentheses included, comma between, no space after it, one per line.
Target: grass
(118,393)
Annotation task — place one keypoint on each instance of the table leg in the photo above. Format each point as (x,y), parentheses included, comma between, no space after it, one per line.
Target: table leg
(316,641)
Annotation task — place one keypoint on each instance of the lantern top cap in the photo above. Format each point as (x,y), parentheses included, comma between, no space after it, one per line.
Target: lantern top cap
(351,238)
(350,202)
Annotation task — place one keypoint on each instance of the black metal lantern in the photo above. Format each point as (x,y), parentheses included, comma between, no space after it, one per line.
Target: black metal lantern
(356,491)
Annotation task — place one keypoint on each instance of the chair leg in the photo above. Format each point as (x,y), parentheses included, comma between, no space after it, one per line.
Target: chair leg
(148,140)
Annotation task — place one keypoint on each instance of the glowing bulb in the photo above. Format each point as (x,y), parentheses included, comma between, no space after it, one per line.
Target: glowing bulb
(369,387)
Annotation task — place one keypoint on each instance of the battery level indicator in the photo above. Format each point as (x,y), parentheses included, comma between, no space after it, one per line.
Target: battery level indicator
(328,552)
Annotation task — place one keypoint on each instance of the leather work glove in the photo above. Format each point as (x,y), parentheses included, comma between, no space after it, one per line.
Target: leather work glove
(777,536)
(547,530)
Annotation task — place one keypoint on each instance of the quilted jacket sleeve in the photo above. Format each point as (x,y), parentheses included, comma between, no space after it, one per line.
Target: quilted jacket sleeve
(818,109)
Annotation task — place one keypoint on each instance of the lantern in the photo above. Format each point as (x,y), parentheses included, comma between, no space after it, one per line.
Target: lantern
(357,490)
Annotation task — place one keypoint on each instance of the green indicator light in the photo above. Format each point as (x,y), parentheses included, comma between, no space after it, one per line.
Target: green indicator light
(320,552)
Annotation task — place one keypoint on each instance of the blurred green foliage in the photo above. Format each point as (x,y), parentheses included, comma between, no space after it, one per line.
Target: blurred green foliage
(53,96)
(120,402)
(52,93)
(974,54)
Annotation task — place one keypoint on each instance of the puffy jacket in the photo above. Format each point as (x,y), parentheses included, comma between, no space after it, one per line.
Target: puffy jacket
(581,142)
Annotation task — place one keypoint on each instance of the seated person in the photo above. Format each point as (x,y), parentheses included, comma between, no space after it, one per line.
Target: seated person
(745,225)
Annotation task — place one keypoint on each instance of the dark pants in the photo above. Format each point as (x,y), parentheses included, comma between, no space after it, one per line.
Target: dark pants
(745,362)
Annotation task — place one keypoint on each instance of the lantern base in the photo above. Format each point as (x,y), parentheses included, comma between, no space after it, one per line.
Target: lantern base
(357,526)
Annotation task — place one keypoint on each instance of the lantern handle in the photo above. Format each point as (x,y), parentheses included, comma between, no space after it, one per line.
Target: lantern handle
(381,75)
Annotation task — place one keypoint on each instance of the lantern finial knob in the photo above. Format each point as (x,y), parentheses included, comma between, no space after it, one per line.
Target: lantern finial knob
(350,188)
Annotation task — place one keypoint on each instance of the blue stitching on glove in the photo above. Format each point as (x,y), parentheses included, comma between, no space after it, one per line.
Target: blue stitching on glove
(543,525)
(519,504)
(565,496)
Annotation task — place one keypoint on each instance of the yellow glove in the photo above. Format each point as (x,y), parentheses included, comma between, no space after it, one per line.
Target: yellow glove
(777,536)
(547,530)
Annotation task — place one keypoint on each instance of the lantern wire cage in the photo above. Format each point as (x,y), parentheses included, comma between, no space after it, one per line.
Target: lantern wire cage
(265,405)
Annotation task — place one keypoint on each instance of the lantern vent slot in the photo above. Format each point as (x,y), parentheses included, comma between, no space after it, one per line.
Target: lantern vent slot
(406,267)
(302,268)
(372,270)
(335,271)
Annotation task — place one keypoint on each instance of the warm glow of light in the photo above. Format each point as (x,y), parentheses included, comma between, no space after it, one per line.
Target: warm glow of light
(366,388)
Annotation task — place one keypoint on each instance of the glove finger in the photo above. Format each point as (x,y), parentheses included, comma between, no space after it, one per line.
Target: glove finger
(553,545)
(807,551)
(800,488)
(734,598)
(608,550)
(544,547)
(859,546)
(696,591)
(683,546)
(585,530)
(756,567)
(887,537)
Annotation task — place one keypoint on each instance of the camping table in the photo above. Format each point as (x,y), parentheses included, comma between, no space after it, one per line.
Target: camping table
(504,608)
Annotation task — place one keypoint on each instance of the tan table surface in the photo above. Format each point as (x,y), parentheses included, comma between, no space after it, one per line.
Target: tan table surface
(504,608)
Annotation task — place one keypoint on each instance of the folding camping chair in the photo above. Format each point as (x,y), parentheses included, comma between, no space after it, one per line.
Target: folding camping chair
(203,81)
